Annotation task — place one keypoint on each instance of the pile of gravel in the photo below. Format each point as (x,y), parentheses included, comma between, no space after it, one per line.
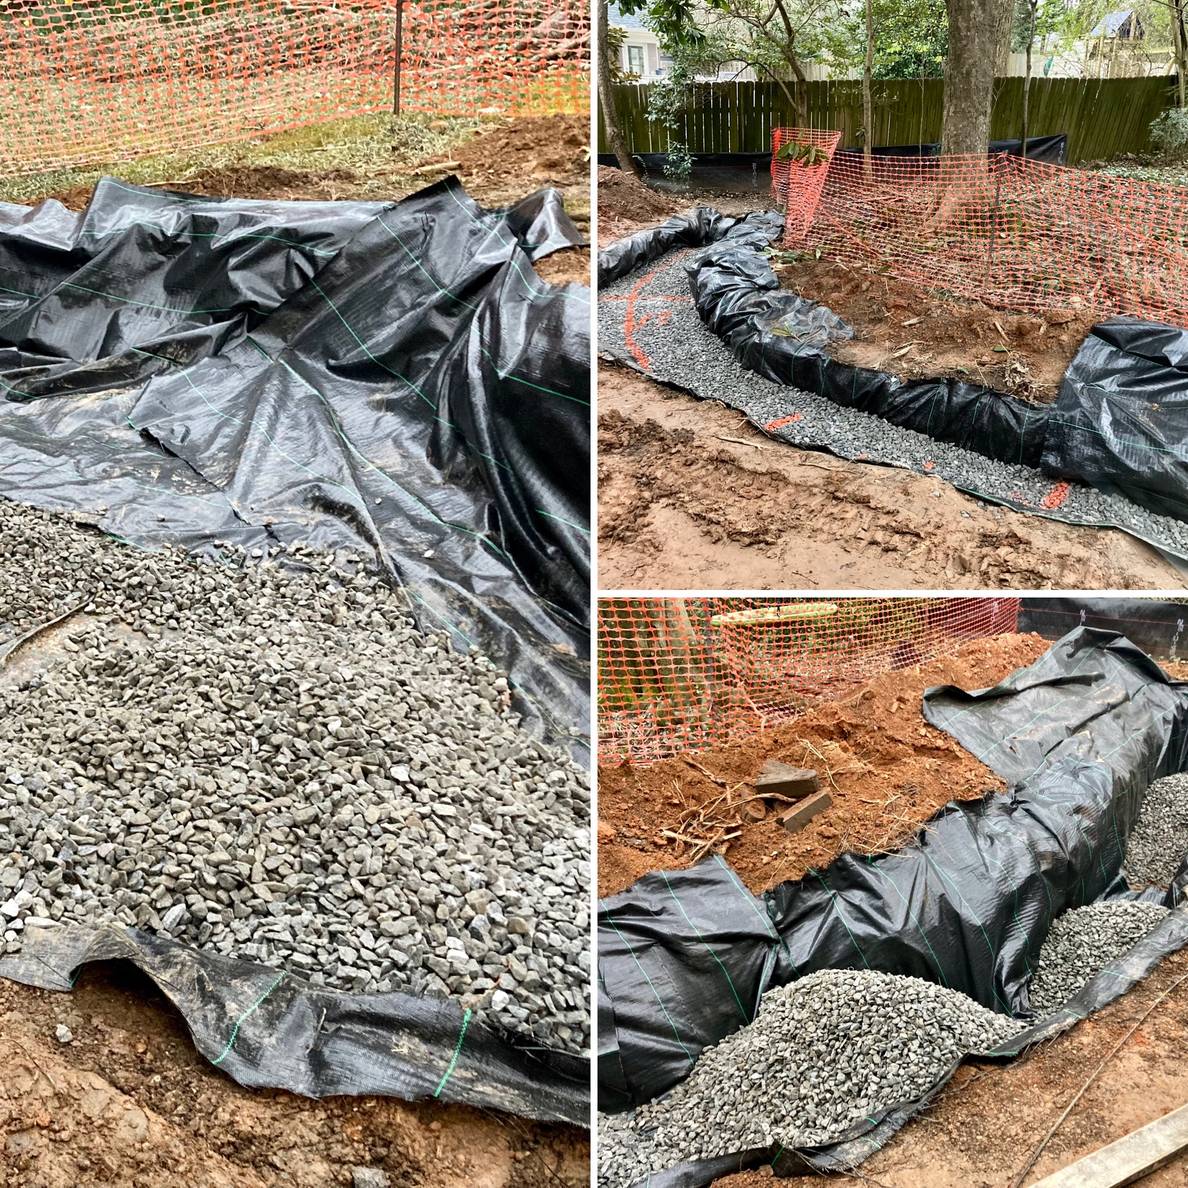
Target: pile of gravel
(1083,942)
(1159,839)
(822,1053)
(679,349)
(275,763)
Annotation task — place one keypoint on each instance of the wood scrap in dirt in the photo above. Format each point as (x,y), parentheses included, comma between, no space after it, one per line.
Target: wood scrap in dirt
(887,771)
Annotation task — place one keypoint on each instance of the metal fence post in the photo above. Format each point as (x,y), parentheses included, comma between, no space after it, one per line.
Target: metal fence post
(397,54)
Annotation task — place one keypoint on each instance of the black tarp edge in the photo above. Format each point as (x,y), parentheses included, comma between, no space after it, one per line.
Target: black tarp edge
(1002,867)
(269,1029)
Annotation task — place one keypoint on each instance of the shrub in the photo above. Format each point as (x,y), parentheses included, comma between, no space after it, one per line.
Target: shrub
(1169,132)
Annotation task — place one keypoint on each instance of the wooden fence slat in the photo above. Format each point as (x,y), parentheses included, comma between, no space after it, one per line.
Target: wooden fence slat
(1102,117)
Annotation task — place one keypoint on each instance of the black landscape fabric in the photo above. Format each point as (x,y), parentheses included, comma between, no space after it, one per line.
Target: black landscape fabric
(1119,423)
(392,379)
(272,1030)
(685,956)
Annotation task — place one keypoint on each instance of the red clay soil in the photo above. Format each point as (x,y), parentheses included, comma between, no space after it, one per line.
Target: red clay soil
(888,771)
(129,1102)
(911,332)
(989,1119)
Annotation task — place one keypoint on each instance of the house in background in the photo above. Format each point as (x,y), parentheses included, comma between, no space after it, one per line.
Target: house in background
(640,54)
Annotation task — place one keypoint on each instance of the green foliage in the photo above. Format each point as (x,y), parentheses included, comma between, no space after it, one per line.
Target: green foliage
(668,98)
(803,154)
(911,39)
(1169,133)
(616,36)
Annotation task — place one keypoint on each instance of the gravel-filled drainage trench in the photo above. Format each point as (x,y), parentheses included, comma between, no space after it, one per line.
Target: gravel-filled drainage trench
(647,319)
(275,763)
(833,1048)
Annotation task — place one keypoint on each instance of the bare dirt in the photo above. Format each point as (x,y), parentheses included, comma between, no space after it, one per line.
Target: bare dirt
(887,770)
(626,204)
(909,331)
(692,497)
(989,1119)
(129,1102)
(499,166)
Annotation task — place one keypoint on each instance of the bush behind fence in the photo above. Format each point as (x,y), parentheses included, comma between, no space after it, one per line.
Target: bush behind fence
(1102,117)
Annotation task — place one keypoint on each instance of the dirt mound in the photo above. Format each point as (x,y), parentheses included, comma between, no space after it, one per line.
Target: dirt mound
(548,150)
(887,770)
(911,332)
(625,204)
(128,1101)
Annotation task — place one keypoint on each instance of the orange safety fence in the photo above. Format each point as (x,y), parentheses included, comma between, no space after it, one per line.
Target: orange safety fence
(798,180)
(108,80)
(686,674)
(1012,232)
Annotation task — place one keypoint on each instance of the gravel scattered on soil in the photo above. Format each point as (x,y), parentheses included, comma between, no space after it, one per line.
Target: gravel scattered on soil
(277,764)
(822,1054)
(1159,839)
(1082,942)
(679,349)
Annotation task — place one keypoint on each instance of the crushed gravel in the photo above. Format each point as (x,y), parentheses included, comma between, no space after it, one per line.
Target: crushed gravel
(1082,942)
(1159,840)
(275,763)
(823,1053)
(680,350)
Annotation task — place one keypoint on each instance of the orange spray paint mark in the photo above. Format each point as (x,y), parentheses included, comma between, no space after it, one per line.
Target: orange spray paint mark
(1056,496)
(780,422)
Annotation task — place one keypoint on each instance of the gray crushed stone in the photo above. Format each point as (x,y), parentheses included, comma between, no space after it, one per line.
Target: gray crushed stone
(1082,942)
(682,351)
(276,764)
(1159,840)
(822,1054)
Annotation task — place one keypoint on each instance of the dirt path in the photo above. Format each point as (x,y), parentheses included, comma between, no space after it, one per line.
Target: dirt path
(988,1120)
(129,1102)
(692,497)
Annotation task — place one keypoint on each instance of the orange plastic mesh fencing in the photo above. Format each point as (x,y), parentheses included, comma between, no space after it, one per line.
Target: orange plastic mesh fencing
(685,674)
(799,178)
(1012,232)
(108,80)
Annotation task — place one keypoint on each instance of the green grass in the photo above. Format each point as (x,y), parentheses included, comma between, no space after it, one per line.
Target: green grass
(375,147)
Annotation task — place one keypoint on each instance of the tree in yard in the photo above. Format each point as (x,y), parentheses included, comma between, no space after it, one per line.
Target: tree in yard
(775,38)
(977,29)
(606,99)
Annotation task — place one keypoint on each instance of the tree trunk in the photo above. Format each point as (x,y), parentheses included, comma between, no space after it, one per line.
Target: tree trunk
(1180,44)
(974,31)
(606,97)
(867,101)
(1032,13)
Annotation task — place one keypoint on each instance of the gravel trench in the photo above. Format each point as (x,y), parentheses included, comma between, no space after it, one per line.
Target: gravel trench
(680,350)
(1159,840)
(822,1053)
(275,763)
(1082,942)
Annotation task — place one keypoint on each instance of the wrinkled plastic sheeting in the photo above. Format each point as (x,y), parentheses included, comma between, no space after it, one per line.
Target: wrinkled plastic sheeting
(387,378)
(685,956)
(271,1030)
(1158,626)
(1120,421)
(700,225)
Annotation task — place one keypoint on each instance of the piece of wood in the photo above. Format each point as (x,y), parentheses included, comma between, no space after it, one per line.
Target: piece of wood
(1128,1159)
(786,779)
(798,817)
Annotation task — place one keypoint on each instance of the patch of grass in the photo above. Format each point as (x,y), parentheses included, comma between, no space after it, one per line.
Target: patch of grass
(370,146)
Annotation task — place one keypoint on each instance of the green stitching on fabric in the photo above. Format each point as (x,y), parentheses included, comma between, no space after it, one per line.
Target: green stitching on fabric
(870,861)
(244,1018)
(742,1010)
(655,992)
(833,901)
(449,1072)
(563,520)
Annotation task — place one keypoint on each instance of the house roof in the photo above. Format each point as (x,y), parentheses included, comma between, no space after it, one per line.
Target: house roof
(615,17)
(1111,24)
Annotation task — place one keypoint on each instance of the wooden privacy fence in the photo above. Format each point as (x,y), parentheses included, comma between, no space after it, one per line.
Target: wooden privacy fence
(1103,117)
